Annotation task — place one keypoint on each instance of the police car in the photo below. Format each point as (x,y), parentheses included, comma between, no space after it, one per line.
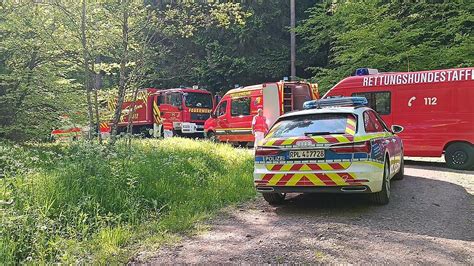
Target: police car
(336,145)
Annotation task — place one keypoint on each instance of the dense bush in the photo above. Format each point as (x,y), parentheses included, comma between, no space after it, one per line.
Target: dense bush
(84,203)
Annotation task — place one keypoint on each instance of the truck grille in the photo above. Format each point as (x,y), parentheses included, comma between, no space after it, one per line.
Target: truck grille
(200,116)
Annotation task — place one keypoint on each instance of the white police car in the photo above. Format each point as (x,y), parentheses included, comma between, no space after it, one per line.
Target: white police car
(335,145)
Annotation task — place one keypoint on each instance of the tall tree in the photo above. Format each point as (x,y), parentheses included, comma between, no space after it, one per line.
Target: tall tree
(123,71)
(387,36)
(85,59)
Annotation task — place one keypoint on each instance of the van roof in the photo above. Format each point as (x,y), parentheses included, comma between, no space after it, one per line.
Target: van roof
(328,110)
(389,79)
(186,89)
(260,86)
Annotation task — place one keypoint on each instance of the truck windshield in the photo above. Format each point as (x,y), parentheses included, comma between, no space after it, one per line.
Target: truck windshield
(201,100)
(311,125)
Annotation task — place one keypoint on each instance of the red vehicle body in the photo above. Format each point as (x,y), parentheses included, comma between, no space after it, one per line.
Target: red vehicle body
(66,134)
(435,108)
(231,121)
(164,113)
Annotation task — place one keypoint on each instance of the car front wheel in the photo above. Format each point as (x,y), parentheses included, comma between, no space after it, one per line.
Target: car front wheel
(211,136)
(383,197)
(401,173)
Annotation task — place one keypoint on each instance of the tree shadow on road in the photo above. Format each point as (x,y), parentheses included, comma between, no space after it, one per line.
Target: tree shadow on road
(427,222)
(418,205)
(438,166)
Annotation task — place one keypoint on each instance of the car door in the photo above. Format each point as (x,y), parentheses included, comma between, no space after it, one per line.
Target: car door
(240,119)
(171,109)
(222,120)
(388,140)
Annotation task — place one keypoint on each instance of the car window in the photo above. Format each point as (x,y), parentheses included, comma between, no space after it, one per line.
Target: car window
(311,125)
(382,102)
(160,99)
(382,122)
(174,99)
(222,109)
(379,101)
(371,123)
(195,99)
(240,106)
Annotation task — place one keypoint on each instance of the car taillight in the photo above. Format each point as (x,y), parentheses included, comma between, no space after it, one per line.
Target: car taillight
(342,148)
(266,152)
(365,147)
(352,148)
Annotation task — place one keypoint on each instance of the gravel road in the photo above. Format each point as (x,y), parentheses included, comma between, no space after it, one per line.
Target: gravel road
(430,219)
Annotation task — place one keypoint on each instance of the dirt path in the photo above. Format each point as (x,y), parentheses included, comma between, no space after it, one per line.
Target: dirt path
(430,219)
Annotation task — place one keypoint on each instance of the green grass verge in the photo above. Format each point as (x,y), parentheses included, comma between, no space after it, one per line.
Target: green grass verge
(82,203)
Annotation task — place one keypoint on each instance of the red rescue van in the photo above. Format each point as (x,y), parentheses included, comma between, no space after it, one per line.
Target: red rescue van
(164,113)
(231,121)
(436,109)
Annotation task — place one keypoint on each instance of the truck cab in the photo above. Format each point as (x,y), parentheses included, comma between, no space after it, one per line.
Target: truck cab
(167,112)
(184,111)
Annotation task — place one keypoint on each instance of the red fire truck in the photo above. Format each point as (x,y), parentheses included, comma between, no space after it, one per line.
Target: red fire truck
(435,108)
(231,121)
(164,113)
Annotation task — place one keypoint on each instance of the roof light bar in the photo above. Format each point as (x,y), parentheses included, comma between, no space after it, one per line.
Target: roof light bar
(332,102)
(366,71)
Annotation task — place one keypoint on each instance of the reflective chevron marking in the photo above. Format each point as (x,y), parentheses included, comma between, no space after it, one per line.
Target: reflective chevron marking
(309,179)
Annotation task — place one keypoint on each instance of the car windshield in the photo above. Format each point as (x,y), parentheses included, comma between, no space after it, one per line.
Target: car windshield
(311,125)
(201,100)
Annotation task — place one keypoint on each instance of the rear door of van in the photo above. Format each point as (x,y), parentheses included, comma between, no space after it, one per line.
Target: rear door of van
(271,102)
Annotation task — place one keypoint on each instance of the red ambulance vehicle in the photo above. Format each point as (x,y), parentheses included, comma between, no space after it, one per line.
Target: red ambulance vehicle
(231,121)
(165,113)
(436,109)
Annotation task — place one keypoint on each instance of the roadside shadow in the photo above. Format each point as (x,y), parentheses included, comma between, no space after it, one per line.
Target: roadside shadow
(438,166)
(417,205)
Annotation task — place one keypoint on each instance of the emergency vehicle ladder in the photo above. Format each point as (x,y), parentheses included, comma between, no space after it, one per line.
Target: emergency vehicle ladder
(287,100)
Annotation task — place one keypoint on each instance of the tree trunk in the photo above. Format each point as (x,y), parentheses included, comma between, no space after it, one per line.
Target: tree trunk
(97,118)
(86,70)
(97,86)
(123,73)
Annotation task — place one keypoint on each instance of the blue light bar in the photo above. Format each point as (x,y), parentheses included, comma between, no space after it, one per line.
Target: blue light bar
(332,102)
(366,71)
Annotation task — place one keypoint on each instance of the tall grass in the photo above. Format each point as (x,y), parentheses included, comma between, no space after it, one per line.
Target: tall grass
(83,203)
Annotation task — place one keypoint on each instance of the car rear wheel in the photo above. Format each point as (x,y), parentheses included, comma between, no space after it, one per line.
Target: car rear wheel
(242,144)
(401,173)
(211,136)
(383,197)
(274,198)
(460,156)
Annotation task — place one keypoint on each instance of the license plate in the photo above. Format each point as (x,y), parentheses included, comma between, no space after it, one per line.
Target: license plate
(306,154)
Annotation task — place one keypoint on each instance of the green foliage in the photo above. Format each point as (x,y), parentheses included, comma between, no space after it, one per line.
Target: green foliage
(42,75)
(79,203)
(33,87)
(388,36)
(217,57)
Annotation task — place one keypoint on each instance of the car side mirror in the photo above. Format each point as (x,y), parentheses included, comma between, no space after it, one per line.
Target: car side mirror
(213,115)
(397,129)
